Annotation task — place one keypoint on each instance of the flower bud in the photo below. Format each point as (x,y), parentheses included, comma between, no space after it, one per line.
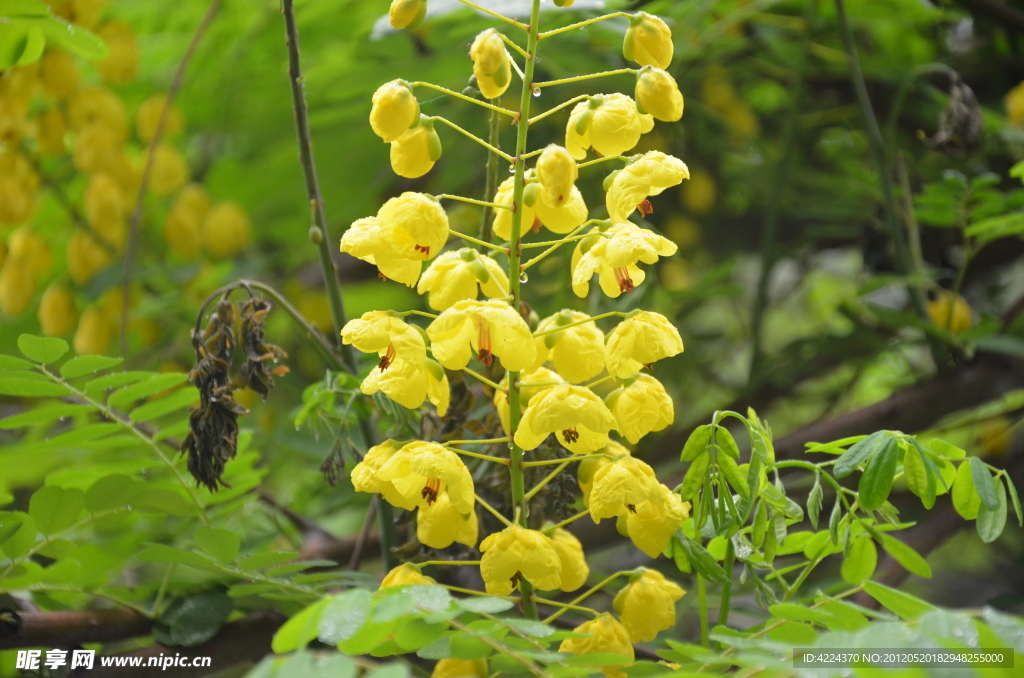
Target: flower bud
(93,334)
(85,257)
(414,153)
(407,14)
(148,116)
(58,73)
(168,171)
(658,94)
(226,230)
(50,130)
(394,110)
(17,287)
(57,311)
(122,63)
(648,41)
(557,172)
(490,64)
(564,3)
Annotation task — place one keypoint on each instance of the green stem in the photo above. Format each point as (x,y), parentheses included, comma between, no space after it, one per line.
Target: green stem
(589,76)
(519,501)
(492,107)
(723,607)
(472,136)
(477,241)
(491,188)
(474,201)
(570,519)
(564,104)
(589,592)
(547,479)
(702,598)
(507,20)
(493,511)
(576,323)
(581,24)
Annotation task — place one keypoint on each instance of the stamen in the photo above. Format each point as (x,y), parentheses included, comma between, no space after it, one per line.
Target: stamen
(382,276)
(645,208)
(631,507)
(423,248)
(571,435)
(387,359)
(625,282)
(430,490)
(536,225)
(483,350)
(516,578)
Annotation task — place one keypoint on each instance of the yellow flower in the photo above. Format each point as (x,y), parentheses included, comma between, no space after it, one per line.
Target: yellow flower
(19,185)
(641,339)
(394,109)
(588,468)
(605,635)
(578,417)
(1015,104)
(951,312)
(574,564)
(647,604)
(648,41)
(655,522)
(31,249)
(103,206)
(640,406)
(460,668)
(622,486)
(556,172)
(459,274)
(515,554)
(58,74)
(613,255)
(169,171)
(406,574)
(647,175)
(93,334)
(57,311)
(540,375)
(420,471)
(577,352)
(491,328)
(700,192)
(490,64)
(183,226)
(17,287)
(148,116)
(439,525)
(407,14)
(608,122)
(416,151)
(561,219)
(85,257)
(658,94)
(369,240)
(417,223)
(226,230)
(50,131)
(365,478)
(122,62)
(403,372)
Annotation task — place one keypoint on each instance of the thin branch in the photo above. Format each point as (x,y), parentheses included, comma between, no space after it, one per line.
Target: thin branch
(158,133)
(500,17)
(497,109)
(472,136)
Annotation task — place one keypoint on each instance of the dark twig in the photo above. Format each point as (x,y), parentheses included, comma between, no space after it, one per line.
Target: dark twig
(136,218)
(68,628)
(357,552)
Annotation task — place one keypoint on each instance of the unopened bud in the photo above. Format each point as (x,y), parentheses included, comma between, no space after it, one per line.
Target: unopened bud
(316,235)
(658,94)
(407,14)
(648,41)
(490,64)
(394,110)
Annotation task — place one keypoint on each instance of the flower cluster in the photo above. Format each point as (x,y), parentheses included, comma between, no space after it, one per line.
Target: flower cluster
(541,375)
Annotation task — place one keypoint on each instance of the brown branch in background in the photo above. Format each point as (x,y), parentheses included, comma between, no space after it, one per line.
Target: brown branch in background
(67,628)
(357,550)
(133,224)
(245,641)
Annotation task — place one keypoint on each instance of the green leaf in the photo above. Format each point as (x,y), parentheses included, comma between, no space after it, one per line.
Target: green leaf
(12,386)
(760,527)
(129,394)
(697,443)
(54,509)
(906,556)
(158,500)
(260,561)
(112,492)
(597,659)
(43,415)
(9,362)
(344,616)
(861,561)
(793,612)
(703,561)
(726,443)
(429,598)
(984,483)
(858,453)
(370,636)
(991,522)
(393,607)
(72,38)
(903,604)
(484,604)
(414,633)
(87,364)
(77,435)
(794,633)
(966,500)
(919,480)
(732,472)
(17,533)
(944,449)
(815,499)
(1015,499)
(222,545)
(531,628)
(193,620)
(694,477)
(159,553)
(843,616)
(116,380)
(439,649)
(64,572)
(42,350)
(58,548)
(178,400)
(298,631)
(876,481)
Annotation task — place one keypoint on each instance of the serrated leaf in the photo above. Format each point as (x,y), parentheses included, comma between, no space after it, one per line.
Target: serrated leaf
(54,509)
(43,415)
(179,400)
(222,545)
(42,350)
(127,395)
(87,364)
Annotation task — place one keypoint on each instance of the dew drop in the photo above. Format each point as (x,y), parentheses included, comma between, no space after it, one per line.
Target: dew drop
(511,169)
(536,91)
(523,278)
